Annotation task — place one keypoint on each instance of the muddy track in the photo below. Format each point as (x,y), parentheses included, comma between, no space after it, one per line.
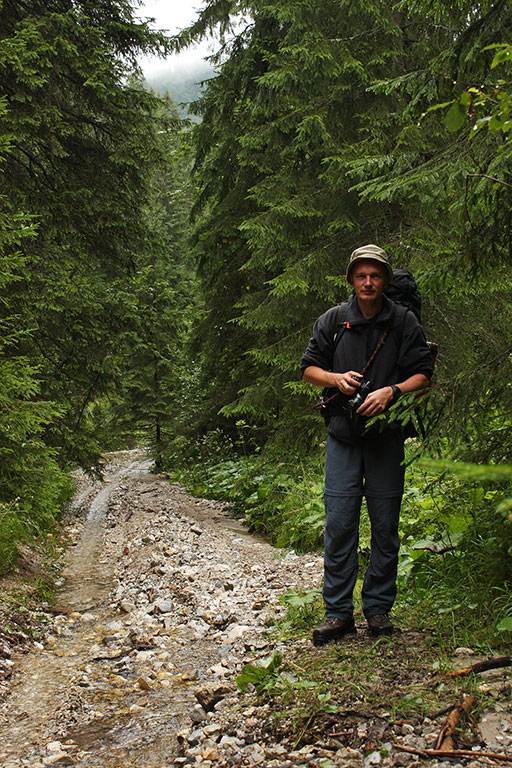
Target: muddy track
(163,600)
(162,594)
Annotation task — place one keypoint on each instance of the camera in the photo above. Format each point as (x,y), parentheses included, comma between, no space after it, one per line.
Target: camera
(360,396)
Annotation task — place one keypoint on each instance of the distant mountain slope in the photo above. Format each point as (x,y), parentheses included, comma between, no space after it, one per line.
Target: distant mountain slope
(182,83)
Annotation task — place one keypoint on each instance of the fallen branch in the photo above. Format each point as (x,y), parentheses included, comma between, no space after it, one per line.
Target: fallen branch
(453,753)
(443,711)
(482,666)
(362,715)
(446,739)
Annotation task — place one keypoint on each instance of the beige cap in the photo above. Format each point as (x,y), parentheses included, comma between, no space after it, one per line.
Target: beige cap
(369,252)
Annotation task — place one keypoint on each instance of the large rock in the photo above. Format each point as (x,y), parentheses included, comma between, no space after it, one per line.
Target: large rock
(210,694)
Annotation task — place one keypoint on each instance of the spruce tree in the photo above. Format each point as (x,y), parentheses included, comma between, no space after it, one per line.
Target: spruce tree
(156,303)
(32,486)
(454,183)
(283,125)
(84,145)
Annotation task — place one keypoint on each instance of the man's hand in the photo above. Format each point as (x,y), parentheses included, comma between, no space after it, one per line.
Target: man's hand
(376,402)
(347,382)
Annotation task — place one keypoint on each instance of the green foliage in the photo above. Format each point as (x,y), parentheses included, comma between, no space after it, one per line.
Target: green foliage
(271,218)
(293,513)
(155,304)
(505,625)
(456,554)
(13,529)
(327,124)
(359,672)
(93,200)
(285,507)
(32,486)
(488,106)
(267,677)
(263,675)
(320,133)
(304,609)
(84,140)
(300,600)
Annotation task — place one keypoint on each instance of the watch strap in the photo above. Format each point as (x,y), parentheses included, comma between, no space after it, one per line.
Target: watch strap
(396,393)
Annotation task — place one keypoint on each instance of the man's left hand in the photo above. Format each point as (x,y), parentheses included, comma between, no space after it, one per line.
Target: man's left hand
(376,402)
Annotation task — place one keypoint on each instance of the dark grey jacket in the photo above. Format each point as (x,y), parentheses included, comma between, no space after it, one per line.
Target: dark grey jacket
(403,354)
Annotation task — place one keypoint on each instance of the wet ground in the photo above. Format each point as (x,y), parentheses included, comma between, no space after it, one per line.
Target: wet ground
(75,696)
(162,601)
(131,645)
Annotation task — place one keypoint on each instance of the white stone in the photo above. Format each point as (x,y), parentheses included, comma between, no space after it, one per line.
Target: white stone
(165,605)
(237,631)
(461,651)
(54,746)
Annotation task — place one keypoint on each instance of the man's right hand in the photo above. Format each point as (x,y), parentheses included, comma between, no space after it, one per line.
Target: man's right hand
(346,382)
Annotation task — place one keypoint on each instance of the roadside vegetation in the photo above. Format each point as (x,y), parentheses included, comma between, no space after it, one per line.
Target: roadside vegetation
(455,556)
(364,687)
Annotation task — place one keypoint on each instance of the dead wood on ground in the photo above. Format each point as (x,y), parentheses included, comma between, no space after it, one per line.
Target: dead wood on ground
(482,666)
(475,755)
(446,739)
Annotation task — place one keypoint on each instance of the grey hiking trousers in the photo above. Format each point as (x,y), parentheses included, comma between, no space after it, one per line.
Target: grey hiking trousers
(374,469)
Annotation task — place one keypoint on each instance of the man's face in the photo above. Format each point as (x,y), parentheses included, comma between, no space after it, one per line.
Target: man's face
(369,279)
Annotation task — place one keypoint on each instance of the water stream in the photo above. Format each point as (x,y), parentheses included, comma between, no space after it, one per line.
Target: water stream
(86,700)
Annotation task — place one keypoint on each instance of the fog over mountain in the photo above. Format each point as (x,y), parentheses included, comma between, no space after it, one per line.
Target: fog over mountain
(181,80)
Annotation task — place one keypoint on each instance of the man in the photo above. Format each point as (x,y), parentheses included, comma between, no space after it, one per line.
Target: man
(381,342)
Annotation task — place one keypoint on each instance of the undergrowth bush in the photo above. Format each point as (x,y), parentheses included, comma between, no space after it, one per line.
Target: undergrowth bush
(455,565)
(13,529)
(43,492)
(280,501)
(455,570)
(288,509)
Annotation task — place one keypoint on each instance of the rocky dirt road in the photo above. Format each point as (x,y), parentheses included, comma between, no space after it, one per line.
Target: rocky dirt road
(164,599)
(163,595)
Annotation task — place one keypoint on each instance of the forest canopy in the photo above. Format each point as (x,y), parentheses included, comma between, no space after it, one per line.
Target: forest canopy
(84,230)
(323,130)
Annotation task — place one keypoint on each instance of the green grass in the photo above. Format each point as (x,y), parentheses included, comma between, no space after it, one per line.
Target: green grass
(14,529)
(396,678)
(456,555)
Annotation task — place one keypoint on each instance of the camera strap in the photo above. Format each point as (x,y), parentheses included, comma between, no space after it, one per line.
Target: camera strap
(377,348)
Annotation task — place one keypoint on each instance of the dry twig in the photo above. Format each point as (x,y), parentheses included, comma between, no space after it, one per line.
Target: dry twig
(446,739)
(482,666)
(475,755)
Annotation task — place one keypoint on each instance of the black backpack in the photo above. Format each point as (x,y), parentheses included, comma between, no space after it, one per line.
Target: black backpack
(403,289)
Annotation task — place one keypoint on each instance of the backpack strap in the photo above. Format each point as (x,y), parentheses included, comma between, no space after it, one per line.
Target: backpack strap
(400,314)
(342,325)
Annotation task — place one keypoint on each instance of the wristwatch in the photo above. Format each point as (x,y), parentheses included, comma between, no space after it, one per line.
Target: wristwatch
(396,393)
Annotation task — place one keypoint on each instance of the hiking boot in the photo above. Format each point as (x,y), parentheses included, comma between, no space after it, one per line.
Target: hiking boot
(380,625)
(333,628)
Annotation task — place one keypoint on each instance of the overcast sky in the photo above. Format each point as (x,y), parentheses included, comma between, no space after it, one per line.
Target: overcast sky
(171,15)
